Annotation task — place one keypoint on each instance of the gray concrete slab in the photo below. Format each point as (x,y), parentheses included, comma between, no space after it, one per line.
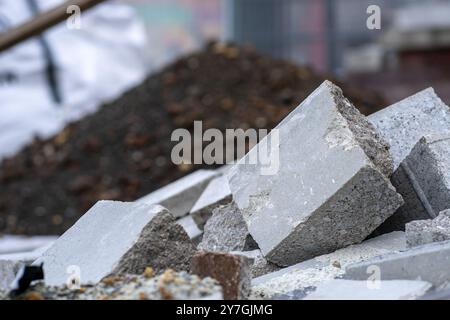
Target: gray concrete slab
(115,238)
(331,187)
(428,263)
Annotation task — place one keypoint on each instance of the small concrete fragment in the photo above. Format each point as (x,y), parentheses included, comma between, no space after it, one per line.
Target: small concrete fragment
(216,193)
(423,180)
(329,187)
(168,286)
(226,231)
(404,123)
(427,231)
(429,262)
(231,271)
(361,290)
(311,273)
(117,238)
(179,196)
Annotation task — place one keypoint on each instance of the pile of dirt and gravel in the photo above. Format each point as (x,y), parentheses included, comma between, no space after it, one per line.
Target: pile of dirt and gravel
(123,151)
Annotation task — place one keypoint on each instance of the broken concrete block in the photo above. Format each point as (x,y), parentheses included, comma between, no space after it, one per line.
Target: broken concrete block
(427,231)
(361,290)
(179,196)
(115,238)
(423,180)
(216,193)
(331,187)
(191,228)
(404,123)
(231,271)
(226,231)
(312,272)
(428,263)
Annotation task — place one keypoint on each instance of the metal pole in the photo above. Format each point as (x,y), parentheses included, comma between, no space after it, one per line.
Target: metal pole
(42,22)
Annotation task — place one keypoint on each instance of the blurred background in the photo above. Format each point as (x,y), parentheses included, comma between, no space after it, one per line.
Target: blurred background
(86,113)
(409,52)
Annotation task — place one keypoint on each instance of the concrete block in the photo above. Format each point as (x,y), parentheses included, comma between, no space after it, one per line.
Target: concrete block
(427,231)
(423,179)
(226,231)
(216,193)
(312,272)
(179,196)
(331,187)
(231,271)
(361,290)
(116,238)
(428,263)
(404,123)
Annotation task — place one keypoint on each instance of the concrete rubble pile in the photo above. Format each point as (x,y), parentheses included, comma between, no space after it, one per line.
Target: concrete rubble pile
(352,207)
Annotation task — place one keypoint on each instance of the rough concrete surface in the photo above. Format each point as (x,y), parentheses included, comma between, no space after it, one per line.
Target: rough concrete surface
(226,231)
(331,177)
(427,231)
(405,122)
(117,237)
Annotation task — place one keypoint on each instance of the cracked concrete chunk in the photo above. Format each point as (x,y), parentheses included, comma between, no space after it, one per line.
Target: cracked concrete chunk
(179,196)
(116,238)
(428,262)
(331,187)
(216,193)
(427,231)
(311,273)
(360,290)
(423,180)
(231,271)
(404,123)
(226,231)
